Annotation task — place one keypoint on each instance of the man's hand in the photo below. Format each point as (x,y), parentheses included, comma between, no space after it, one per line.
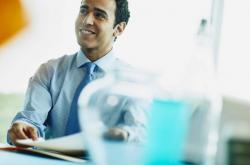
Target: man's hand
(20,130)
(116,134)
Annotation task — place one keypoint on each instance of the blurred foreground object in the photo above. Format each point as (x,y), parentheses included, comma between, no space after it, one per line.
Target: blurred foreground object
(12,19)
(118,102)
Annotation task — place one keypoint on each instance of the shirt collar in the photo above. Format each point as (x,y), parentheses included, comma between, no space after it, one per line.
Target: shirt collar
(106,63)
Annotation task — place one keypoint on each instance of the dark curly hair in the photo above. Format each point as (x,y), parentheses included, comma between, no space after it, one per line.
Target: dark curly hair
(122,12)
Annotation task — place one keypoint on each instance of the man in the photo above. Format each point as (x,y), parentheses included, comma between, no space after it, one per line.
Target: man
(52,89)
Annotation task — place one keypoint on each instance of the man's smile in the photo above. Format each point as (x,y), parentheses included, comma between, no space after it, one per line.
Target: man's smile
(86,31)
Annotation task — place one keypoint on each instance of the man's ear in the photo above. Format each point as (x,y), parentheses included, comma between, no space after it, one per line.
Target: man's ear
(119,28)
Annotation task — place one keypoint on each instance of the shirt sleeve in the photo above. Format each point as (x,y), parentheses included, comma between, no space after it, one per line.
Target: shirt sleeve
(135,120)
(38,100)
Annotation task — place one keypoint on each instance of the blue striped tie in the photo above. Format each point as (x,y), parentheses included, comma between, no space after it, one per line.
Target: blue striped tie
(73,122)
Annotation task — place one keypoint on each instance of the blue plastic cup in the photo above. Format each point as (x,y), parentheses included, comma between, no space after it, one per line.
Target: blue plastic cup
(168,123)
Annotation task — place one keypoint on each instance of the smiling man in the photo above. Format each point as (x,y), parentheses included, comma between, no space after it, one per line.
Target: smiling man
(50,108)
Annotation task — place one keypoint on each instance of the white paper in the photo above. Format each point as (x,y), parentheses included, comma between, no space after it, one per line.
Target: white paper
(67,144)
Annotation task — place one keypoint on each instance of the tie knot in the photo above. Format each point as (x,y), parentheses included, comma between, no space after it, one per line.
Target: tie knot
(89,66)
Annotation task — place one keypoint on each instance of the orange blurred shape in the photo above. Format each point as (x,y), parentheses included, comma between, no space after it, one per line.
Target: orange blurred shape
(12,19)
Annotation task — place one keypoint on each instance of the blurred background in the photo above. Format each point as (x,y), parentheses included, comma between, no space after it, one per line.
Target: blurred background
(156,31)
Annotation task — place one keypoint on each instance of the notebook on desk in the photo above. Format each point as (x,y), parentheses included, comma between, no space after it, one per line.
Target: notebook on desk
(70,148)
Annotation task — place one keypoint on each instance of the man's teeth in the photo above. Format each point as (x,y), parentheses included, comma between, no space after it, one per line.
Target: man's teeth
(86,32)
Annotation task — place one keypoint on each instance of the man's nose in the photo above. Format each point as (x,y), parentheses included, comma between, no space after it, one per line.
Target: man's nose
(89,19)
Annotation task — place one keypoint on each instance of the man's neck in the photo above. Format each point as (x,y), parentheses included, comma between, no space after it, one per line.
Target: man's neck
(93,54)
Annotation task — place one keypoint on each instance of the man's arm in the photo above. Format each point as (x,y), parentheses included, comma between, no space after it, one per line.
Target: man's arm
(134,125)
(29,123)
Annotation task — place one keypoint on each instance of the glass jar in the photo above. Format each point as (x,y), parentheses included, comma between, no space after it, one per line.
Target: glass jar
(181,118)
(121,97)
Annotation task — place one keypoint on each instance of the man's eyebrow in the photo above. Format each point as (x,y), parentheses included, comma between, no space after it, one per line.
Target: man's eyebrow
(84,6)
(101,11)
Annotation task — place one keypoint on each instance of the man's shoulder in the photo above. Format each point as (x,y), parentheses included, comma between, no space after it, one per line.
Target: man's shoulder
(61,60)
(124,65)
(57,64)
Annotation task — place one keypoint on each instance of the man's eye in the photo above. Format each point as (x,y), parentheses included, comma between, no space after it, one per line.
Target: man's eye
(100,15)
(83,11)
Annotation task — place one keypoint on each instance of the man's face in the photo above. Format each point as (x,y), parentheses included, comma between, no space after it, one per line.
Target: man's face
(95,25)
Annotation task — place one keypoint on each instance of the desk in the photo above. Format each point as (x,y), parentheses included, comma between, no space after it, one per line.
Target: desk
(9,158)
(114,153)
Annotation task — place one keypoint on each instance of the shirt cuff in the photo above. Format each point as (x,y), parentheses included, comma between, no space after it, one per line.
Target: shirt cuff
(22,121)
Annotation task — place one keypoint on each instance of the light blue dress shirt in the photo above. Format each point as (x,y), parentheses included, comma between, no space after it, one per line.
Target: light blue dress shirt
(51,90)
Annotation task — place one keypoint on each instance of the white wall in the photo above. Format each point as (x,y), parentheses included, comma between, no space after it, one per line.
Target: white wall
(50,34)
(234,59)
(159,36)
